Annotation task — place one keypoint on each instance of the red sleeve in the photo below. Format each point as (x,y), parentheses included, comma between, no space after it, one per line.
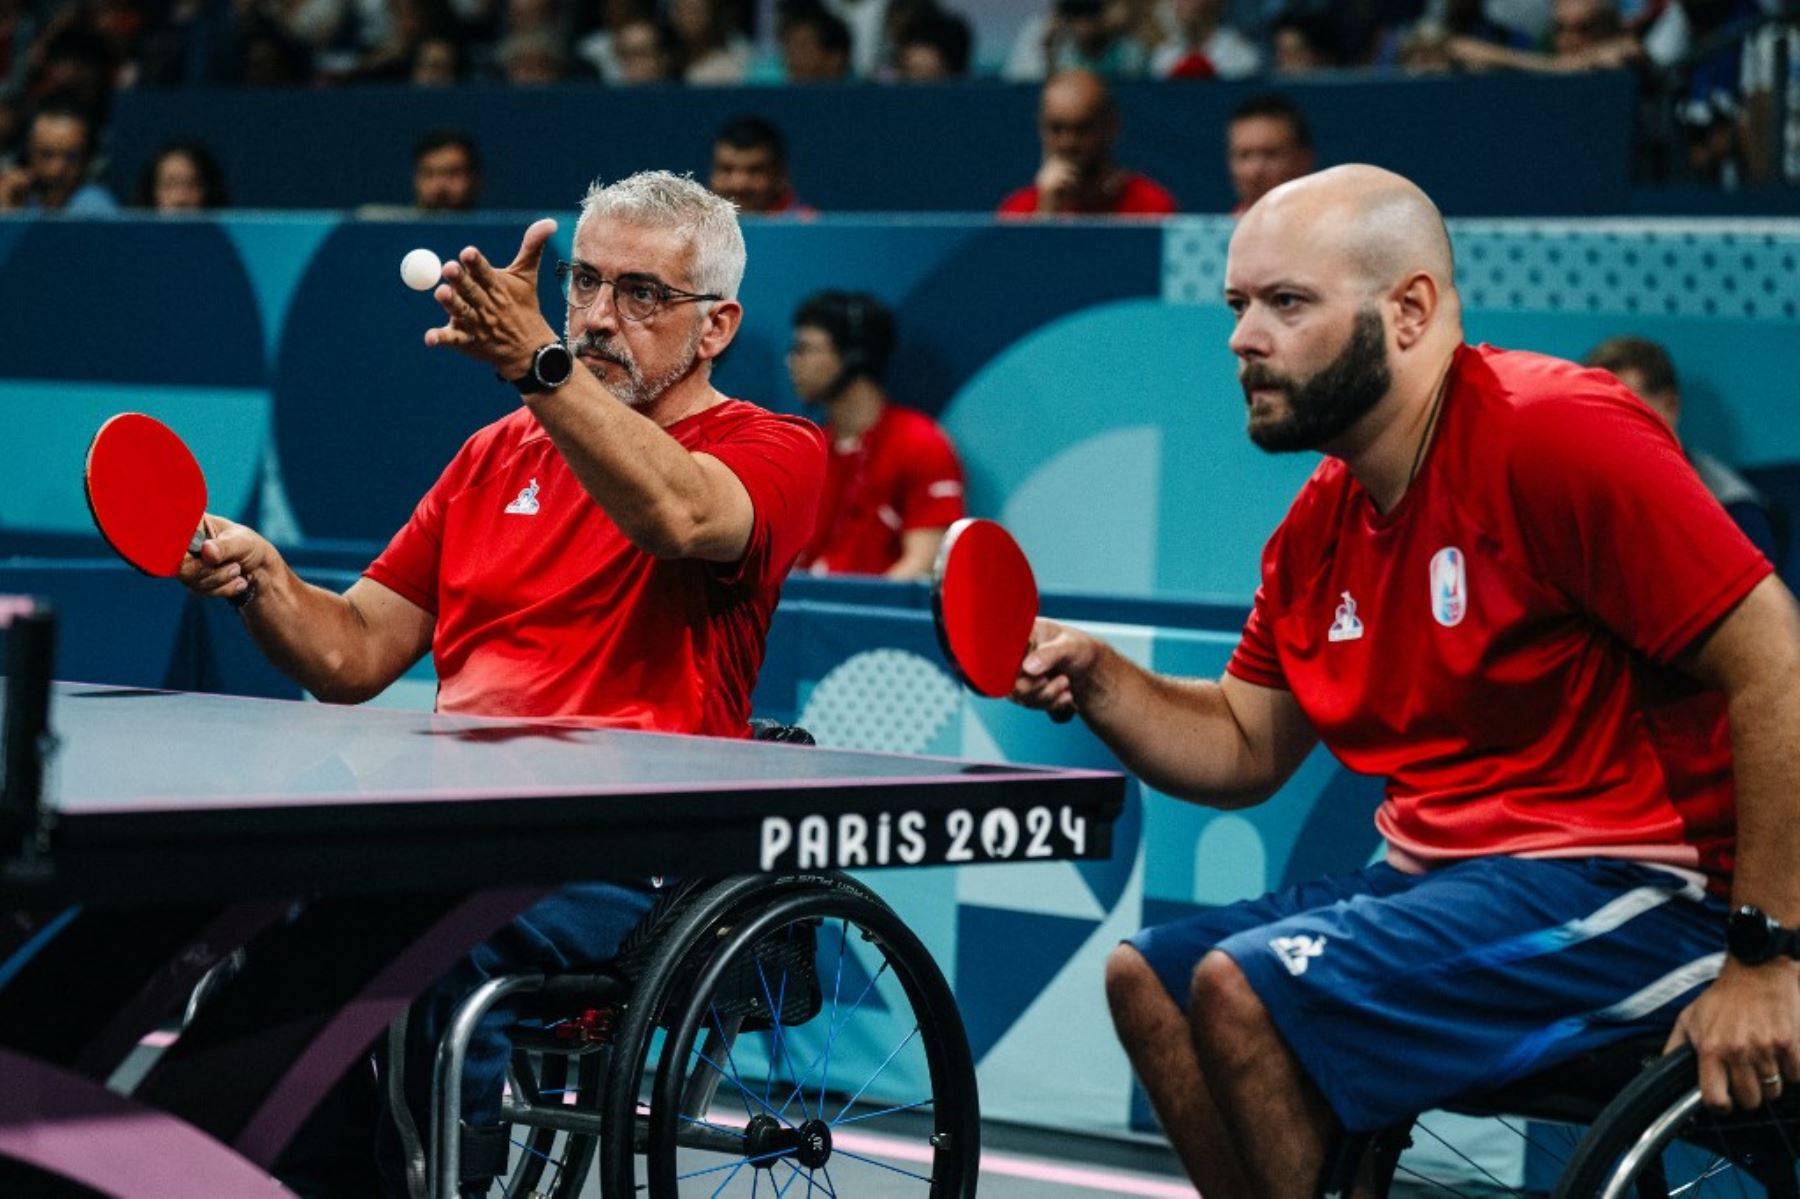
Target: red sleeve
(933,494)
(1612,514)
(1021,203)
(409,565)
(1255,660)
(780,460)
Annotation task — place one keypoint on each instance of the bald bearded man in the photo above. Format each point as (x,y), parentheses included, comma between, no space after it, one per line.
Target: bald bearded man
(1505,592)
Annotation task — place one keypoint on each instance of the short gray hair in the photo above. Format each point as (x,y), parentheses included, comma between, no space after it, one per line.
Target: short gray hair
(662,200)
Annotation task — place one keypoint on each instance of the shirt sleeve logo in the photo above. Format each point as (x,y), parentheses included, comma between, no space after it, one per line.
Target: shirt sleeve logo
(527,503)
(1449,587)
(1344,624)
(1297,951)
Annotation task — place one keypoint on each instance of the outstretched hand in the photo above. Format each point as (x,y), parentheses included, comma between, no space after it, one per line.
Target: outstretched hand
(494,315)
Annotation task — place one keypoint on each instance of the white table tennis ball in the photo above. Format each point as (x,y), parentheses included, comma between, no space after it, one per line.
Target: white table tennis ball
(421,269)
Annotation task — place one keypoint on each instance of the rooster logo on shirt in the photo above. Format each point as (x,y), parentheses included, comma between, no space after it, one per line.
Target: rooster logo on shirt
(1344,625)
(526,504)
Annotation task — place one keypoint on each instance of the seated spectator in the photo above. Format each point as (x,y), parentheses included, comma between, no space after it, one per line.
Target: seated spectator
(437,61)
(1075,35)
(871,46)
(815,46)
(1645,368)
(932,47)
(1204,46)
(597,47)
(750,168)
(1587,35)
(644,52)
(1771,155)
(893,484)
(446,172)
(1267,143)
(183,176)
(1077,125)
(532,59)
(709,49)
(1470,19)
(1304,43)
(52,175)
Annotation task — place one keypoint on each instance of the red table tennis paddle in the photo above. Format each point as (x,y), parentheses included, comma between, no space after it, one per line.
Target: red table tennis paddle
(147,495)
(984,600)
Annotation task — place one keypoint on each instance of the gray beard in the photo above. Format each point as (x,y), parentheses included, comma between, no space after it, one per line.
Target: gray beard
(636,391)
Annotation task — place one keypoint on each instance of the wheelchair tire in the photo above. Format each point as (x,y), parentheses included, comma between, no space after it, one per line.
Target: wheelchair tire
(1657,1137)
(909,1092)
(656,989)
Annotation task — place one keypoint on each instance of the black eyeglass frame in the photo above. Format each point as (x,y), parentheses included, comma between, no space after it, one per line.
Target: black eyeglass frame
(666,294)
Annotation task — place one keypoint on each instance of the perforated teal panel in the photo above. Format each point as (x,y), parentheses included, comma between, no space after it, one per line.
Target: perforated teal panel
(1737,269)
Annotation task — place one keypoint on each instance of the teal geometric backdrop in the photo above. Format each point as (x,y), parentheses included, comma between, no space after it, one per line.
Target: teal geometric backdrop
(1082,371)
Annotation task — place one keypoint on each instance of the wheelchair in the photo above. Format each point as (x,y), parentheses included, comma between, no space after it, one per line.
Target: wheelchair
(755,1032)
(1622,1121)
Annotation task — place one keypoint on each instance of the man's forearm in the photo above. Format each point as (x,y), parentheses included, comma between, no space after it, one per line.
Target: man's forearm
(1765,744)
(1179,736)
(315,637)
(644,479)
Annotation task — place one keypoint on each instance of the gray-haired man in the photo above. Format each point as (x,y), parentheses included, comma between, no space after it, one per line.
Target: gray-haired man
(626,514)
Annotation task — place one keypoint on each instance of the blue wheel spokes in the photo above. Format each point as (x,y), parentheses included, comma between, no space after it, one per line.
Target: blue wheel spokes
(831,1037)
(886,1111)
(728,1178)
(836,1152)
(837,986)
(851,1102)
(780,1041)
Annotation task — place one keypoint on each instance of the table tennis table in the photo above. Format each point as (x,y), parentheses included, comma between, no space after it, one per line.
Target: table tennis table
(365,851)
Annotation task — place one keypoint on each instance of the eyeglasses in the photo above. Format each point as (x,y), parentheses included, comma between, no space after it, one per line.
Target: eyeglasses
(637,297)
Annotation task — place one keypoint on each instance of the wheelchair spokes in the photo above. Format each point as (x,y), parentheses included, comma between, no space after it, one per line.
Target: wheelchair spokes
(842,1066)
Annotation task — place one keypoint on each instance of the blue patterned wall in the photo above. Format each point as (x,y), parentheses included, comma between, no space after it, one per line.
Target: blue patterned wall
(1082,370)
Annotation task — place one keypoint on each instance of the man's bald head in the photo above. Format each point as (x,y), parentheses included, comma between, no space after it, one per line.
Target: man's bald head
(1077,122)
(1077,92)
(1384,225)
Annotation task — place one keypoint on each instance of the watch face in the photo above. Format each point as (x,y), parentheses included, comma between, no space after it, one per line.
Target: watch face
(1750,936)
(553,365)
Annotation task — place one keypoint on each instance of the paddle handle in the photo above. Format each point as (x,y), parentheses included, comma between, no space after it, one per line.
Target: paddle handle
(199,539)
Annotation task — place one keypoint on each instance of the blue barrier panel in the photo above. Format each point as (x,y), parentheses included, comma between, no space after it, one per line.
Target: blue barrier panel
(1493,145)
(1082,370)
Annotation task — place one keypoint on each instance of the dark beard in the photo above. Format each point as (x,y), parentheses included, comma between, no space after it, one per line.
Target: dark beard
(1320,409)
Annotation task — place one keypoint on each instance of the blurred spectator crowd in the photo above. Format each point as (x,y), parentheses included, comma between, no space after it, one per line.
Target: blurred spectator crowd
(1718,63)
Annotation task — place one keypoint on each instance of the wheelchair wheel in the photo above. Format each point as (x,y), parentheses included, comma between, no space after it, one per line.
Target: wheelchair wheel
(1659,1138)
(817,1042)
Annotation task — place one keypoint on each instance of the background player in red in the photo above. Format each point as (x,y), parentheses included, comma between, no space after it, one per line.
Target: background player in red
(893,484)
(613,548)
(1505,591)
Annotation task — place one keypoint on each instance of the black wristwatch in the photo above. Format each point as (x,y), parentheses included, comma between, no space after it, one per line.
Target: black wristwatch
(1753,937)
(551,367)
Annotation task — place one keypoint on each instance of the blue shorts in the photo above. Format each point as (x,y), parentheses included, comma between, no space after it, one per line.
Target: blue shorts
(1397,992)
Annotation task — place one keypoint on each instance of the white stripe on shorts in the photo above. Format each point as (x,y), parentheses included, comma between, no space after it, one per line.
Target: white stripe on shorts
(1647,1000)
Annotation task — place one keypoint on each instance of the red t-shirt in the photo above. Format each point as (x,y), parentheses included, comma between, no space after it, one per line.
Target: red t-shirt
(1499,647)
(1140,195)
(901,474)
(544,608)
